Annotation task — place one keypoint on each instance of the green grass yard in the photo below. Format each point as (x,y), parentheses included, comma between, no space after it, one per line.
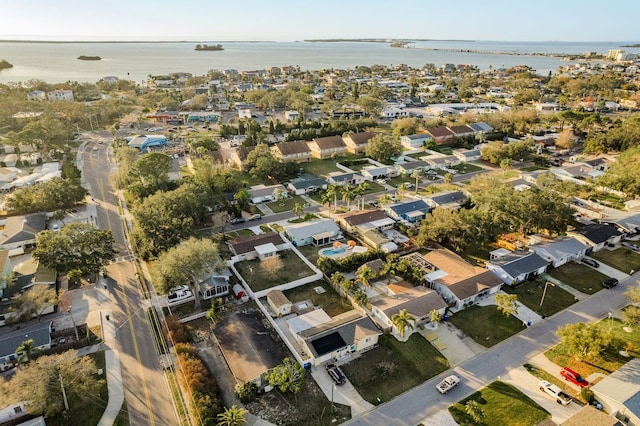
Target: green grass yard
(486,325)
(332,303)
(579,276)
(287,204)
(393,367)
(502,404)
(530,294)
(622,259)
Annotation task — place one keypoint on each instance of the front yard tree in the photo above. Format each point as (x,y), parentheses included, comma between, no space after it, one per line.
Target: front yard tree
(26,348)
(435,316)
(38,383)
(403,320)
(632,316)
(583,340)
(232,416)
(474,410)
(633,293)
(35,301)
(382,147)
(57,194)
(298,210)
(287,376)
(507,303)
(78,246)
(152,171)
(624,173)
(185,264)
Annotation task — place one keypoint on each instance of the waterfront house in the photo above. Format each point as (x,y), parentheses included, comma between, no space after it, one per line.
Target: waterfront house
(327,147)
(297,151)
(515,267)
(357,142)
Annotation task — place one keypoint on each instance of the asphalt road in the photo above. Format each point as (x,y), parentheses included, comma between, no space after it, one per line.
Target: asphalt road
(146,391)
(423,401)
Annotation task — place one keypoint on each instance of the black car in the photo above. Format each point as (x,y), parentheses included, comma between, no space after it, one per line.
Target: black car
(336,374)
(609,283)
(590,262)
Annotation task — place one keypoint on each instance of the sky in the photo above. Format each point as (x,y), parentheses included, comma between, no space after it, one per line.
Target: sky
(291,20)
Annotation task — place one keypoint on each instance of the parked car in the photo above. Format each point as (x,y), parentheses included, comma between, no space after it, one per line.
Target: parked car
(256,217)
(103,273)
(237,220)
(610,283)
(631,246)
(448,383)
(336,374)
(573,377)
(590,262)
(554,392)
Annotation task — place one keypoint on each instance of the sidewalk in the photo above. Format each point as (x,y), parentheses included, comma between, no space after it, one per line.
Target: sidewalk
(524,314)
(114,384)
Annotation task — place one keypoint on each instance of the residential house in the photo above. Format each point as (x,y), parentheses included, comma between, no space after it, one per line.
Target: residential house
(36,95)
(265,194)
(515,267)
(357,142)
(327,147)
(378,172)
(317,232)
(418,301)
(339,338)
(576,173)
(257,246)
(447,200)
(481,128)
(5,269)
(414,142)
(20,231)
(466,155)
(597,235)
(558,251)
(297,151)
(409,167)
(367,219)
(279,303)
(441,134)
(458,282)
(291,115)
(591,416)
(60,95)
(619,393)
(16,414)
(144,142)
(442,162)
(628,225)
(9,160)
(342,178)
(461,131)
(306,184)
(410,211)
(40,334)
(238,156)
(214,286)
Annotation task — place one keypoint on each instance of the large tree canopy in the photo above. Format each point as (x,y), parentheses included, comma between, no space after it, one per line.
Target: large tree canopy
(151,172)
(57,194)
(624,173)
(382,147)
(78,246)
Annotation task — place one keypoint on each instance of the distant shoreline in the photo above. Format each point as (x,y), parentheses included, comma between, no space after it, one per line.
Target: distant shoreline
(380,40)
(126,41)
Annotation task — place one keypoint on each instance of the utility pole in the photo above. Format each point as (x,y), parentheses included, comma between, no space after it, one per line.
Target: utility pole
(64,394)
(544,292)
(74,324)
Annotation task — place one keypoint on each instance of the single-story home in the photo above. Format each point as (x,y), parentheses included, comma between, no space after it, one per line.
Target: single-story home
(20,231)
(410,211)
(144,142)
(357,142)
(441,161)
(305,184)
(627,224)
(418,301)
(597,235)
(447,200)
(441,134)
(40,334)
(591,416)
(214,286)
(279,303)
(466,155)
(458,282)
(619,393)
(345,334)
(378,172)
(417,141)
(560,250)
(264,194)
(342,178)
(327,147)
(461,131)
(366,219)
(516,267)
(297,151)
(481,127)
(317,232)
(409,166)
(291,115)
(257,246)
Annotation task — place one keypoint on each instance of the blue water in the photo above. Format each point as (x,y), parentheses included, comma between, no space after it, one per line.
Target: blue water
(332,251)
(57,62)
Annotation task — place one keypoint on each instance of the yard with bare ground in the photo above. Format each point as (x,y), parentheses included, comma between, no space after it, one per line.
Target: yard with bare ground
(261,275)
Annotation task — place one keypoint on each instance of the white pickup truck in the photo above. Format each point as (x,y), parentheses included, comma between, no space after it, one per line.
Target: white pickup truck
(554,392)
(448,383)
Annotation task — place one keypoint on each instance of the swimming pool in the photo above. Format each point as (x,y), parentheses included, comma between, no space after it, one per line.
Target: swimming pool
(332,251)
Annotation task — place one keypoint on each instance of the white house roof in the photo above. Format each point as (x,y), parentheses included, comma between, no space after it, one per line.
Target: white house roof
(300,231)
(308,320)
(266,249)
(382,222)
(623,386)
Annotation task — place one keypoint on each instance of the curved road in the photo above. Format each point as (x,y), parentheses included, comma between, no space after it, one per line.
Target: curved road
(146,391)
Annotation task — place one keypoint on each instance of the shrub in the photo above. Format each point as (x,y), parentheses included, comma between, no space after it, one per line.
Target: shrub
(587,395)
(176,331)
(246,391)
(186,349)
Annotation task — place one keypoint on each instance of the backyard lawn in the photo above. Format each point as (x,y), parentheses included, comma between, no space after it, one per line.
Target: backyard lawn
(310,252)
(486,325)
(610,360)
(332,303)
(322,168)
(286,205)
(393,367)
(622,259)
(463,168)
(502,404)
(530,294)
(580,277)
(260,276)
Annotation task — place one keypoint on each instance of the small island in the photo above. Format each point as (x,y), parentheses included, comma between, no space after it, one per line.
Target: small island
(207,47)
(89,58)
(4,64)
(631,45)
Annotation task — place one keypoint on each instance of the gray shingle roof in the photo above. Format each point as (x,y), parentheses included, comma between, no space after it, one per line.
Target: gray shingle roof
(23,228)
(519,263)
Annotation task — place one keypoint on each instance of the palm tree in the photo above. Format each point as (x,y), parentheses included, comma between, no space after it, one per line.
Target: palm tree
(332,191)
(390,267)
(27,348)
(403,320)
(448,178)
(474,410)
(364,275)
(298,210)
(361,190)
(417,173)
(385,199)
(348,195)
(435,316)
(232,416)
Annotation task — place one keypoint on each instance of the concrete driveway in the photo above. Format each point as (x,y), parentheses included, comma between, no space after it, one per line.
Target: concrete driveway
(610,271)
(344,394)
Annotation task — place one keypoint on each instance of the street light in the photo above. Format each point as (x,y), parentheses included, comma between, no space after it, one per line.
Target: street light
(544,292)
(74,323)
